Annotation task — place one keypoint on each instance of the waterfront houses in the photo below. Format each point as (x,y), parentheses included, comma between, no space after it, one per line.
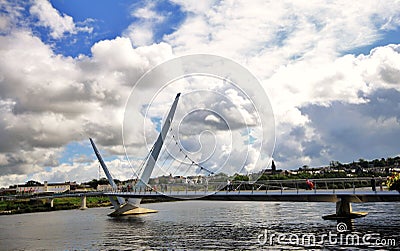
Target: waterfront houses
(36,187)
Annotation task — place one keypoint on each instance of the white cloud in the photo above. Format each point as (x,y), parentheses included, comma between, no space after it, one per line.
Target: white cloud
(284,29)
(141,32)
(57,22)
(295,49)
(382,67)
(212,118)
(47,100)
(148,13)
(11,12)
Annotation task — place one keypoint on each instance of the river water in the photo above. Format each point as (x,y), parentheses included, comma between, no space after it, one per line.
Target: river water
(193,225)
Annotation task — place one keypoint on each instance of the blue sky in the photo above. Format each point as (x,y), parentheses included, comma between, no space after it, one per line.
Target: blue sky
(387,37)
(109,19)
(330,69)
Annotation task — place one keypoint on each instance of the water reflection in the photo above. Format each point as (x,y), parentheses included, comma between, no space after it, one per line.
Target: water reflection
(190,226)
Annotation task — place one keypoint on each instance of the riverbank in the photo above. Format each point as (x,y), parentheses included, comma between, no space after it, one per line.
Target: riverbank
(43,205)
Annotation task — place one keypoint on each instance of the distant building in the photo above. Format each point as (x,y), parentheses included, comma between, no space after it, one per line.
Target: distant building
(7,191)
(271,171)
(107,187)
(46,187)
(315,170)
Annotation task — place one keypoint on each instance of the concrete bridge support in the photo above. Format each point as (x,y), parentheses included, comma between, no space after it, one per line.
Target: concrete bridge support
(343,208)
(83,203)
(344,211)
(50,201)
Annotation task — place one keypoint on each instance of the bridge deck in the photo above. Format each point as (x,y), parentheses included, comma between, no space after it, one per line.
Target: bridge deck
(301,196)
(320,195)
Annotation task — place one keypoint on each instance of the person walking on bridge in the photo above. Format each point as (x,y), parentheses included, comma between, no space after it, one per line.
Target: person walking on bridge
(373,184)
(229,186)
(310,184)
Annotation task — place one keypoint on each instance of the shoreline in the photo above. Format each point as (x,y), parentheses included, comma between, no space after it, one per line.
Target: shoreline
(23,206)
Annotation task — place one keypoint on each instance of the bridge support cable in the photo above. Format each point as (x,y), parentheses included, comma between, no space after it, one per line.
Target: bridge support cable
(186,156)
(171,160)
(142,164)
(189,166)
(184,160)
(169,166)
(179,166)
(165,166)
(165,149)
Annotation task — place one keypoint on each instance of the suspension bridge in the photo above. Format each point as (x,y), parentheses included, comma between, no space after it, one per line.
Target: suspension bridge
(206,187)
(343,192)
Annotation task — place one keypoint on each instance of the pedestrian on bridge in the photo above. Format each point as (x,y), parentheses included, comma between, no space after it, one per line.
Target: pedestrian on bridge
(373,184)
(310,184)
(229,185)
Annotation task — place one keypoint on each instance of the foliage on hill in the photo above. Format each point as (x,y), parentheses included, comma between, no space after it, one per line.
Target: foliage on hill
(361,168)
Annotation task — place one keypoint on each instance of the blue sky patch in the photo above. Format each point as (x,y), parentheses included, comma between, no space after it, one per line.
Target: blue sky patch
(76,149)
(388,37)
(108,19)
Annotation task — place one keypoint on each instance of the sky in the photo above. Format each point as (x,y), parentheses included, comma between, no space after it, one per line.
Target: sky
(331,70)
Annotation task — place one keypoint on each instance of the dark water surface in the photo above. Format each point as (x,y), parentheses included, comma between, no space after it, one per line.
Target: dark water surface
(193,225)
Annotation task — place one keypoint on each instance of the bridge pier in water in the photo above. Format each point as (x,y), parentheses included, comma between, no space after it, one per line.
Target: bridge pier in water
(83,203)
(343,208)
(344,211)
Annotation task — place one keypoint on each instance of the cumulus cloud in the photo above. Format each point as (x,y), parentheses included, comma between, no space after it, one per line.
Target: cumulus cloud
(354,116)
(48,100)
(353,131)
(58,23)
(142,32)
(298,50)
(290,29)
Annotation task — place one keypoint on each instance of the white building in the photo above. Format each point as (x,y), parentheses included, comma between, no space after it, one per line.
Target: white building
(45,188)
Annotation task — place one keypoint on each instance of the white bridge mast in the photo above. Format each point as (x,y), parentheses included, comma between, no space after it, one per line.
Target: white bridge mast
(133,205)
(144,178)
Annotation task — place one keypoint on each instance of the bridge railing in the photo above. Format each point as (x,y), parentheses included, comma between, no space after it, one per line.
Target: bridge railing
(331,185)
(321,185)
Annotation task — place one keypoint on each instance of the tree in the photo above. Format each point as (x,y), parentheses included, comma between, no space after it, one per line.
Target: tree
(363,163)
(335,163)
(93,183)
(33,183)
(239,177)
(103,181)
